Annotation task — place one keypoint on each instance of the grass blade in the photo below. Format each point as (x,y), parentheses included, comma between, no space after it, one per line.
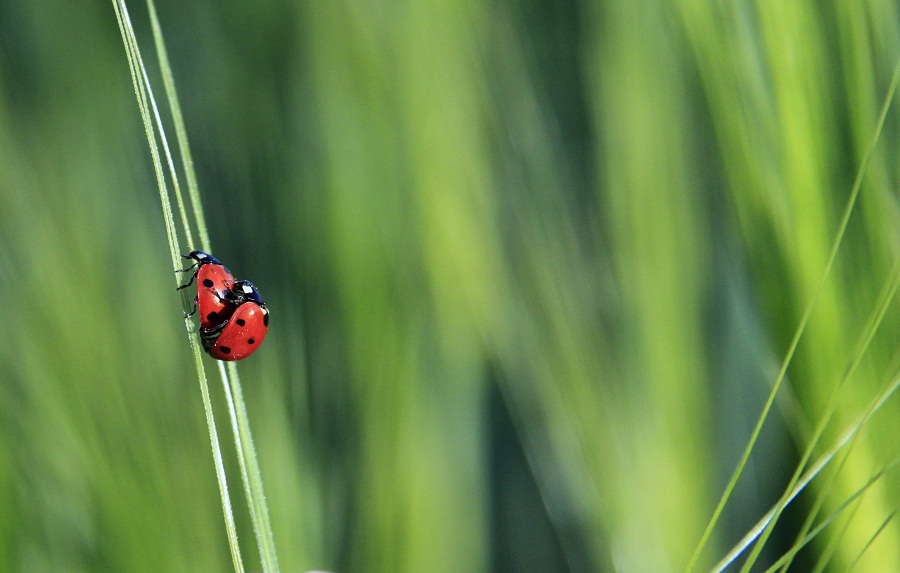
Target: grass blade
(180,134)
(807,477)
(787,557)
(249,464)
(146,101)
(801,327)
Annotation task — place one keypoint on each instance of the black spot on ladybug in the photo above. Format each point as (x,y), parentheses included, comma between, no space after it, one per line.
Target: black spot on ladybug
(241,322)
(251,341)
(225,350)
(207,283)
(212,317)
(266,319)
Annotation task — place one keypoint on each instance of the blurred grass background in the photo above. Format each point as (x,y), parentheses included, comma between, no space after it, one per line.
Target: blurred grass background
(532,268)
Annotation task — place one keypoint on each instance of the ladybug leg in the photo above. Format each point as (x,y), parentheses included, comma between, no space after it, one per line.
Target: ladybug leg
(195,267)
(223,299)
(190,282)
(193,312)
(190,268)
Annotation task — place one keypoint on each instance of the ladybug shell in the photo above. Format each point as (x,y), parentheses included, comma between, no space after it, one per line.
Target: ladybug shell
(240,336)
(213,282)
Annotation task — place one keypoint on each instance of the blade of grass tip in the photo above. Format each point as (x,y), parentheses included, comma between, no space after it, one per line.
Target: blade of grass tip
(811,473)
(832,255)
(882,304)
(854,497)
(250,472)
(795,341)
(180,131)
(871,540)
(144,94)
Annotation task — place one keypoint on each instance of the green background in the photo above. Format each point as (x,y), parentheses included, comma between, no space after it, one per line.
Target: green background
(532,268)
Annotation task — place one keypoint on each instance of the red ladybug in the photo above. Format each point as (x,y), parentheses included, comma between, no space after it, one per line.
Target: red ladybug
(214,282)
(244,331)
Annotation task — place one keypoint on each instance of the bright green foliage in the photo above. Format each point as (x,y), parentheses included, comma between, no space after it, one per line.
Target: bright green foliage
(533,268)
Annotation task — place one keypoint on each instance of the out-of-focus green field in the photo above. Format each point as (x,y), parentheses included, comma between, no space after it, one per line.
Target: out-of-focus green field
(532,269)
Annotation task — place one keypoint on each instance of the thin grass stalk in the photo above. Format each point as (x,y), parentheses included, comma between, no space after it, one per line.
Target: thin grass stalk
(246,452)
(250,472)
(854,497)
(838,239)
(133,55)
(180,131)
(176,187)
(795,341)
(883,303)
(824,557)
(810,474)
(144,95)
(871,540)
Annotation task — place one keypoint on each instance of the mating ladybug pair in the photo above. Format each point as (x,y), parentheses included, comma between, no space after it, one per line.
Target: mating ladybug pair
(233,317)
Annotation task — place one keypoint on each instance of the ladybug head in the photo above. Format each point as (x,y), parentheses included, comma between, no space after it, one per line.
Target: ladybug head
(201,258)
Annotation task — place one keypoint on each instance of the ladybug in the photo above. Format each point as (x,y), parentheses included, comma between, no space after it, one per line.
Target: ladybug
(214,282)
(239,336)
